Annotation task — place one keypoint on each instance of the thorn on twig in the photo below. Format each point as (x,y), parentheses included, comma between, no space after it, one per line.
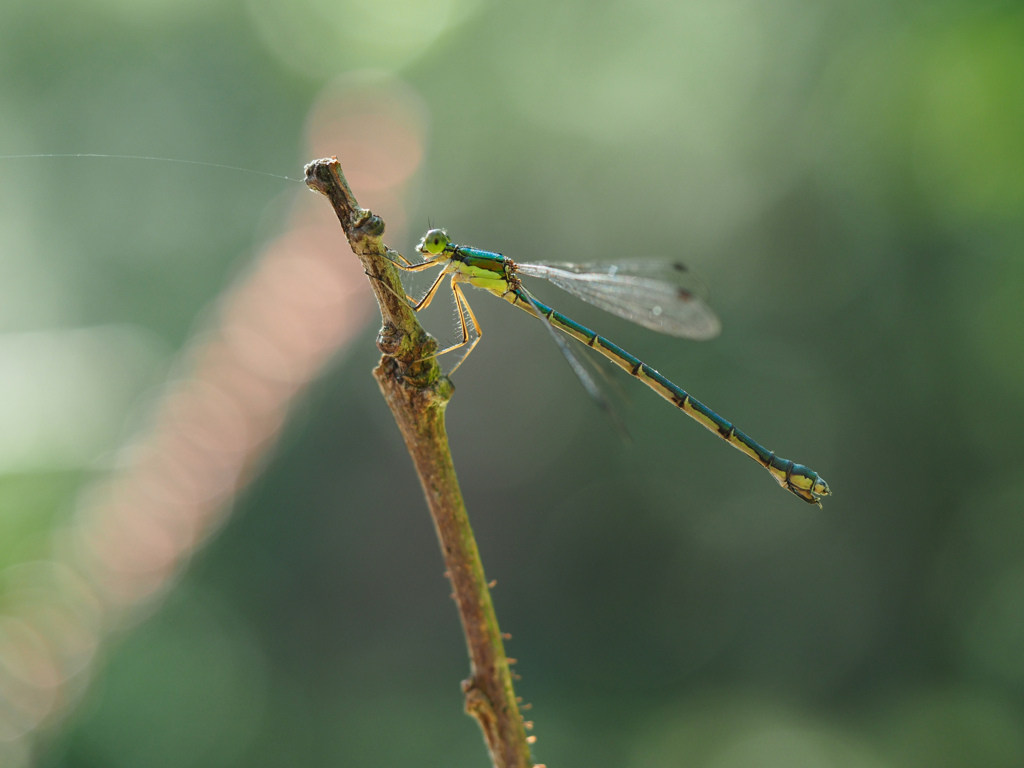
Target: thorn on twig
(492,584)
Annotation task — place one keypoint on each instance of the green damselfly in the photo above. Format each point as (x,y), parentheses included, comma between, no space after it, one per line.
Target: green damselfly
(642,292)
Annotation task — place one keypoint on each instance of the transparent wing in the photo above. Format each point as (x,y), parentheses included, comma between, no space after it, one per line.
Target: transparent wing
(577,367)
(659,295)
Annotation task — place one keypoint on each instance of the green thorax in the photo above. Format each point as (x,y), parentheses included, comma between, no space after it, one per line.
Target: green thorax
(485,269)
(481,260)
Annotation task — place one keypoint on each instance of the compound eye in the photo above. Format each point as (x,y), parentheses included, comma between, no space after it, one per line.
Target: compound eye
(434,242)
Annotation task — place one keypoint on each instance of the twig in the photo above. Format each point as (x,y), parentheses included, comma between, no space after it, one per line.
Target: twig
(417,394)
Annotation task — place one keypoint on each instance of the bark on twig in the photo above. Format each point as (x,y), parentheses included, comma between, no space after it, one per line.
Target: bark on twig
(417,393)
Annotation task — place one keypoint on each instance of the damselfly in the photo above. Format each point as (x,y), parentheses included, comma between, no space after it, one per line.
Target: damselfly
(637,291)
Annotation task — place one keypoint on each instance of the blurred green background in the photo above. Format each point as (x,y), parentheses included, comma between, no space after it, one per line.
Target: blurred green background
(847,177)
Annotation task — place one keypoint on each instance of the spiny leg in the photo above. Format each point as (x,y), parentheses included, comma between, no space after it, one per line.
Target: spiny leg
(457,292)
(415,304)
(407,266)
(387,286)
(460,302)
(429,296)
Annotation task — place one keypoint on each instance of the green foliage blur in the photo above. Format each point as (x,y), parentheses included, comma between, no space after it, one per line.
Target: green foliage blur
(848,179)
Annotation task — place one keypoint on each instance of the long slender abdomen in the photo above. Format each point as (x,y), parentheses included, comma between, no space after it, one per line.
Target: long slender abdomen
(796,478)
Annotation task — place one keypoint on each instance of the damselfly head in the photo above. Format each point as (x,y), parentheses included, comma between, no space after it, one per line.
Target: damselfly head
(434,242)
